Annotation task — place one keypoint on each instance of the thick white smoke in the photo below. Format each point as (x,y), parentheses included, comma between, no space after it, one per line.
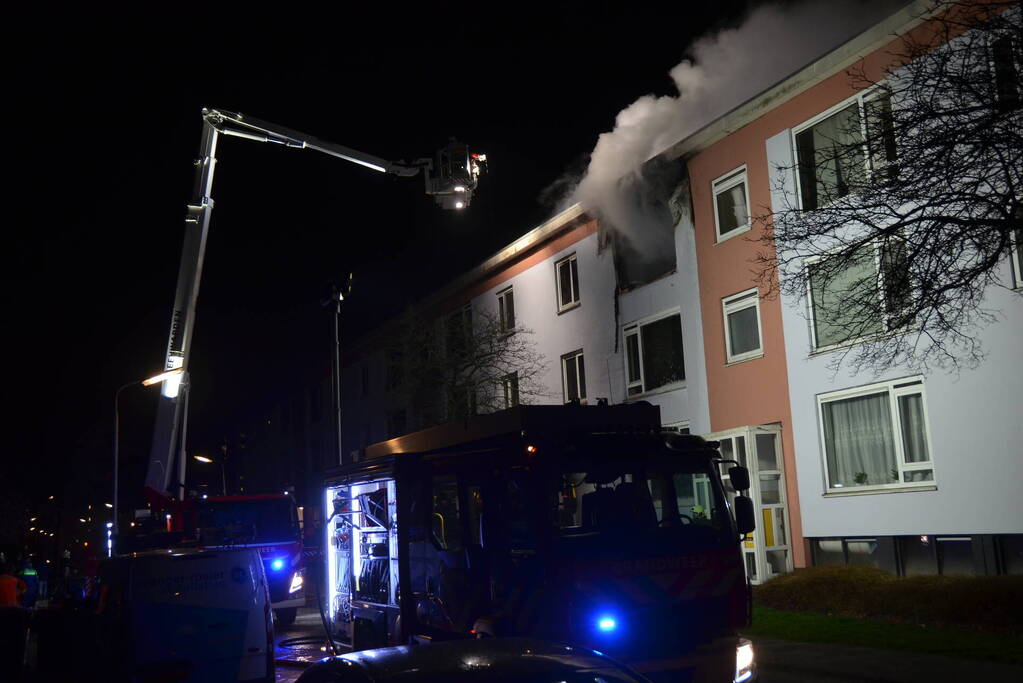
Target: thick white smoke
(725,69)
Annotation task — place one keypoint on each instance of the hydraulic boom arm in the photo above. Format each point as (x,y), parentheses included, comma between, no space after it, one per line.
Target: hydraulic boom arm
(451,181)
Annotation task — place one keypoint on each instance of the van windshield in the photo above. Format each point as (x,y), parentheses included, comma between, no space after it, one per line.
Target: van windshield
(255,520)
(639,494)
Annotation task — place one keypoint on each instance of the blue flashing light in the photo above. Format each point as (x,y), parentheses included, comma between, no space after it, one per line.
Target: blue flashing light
(607,624)
(277,564)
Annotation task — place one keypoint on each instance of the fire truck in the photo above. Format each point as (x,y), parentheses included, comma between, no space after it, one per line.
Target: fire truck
(586,525)
(269,524)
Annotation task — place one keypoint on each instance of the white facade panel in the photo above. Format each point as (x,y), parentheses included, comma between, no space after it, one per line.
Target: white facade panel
(974,425)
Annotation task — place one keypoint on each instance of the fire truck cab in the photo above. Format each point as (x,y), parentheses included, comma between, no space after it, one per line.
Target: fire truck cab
(586,525)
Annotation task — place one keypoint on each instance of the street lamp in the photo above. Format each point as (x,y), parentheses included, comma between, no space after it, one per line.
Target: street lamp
(211,461)
(149,381)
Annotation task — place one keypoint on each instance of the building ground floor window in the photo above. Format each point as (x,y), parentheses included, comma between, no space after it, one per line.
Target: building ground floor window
(926,554)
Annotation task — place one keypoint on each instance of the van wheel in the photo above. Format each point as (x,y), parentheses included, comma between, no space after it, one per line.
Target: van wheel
(285,617)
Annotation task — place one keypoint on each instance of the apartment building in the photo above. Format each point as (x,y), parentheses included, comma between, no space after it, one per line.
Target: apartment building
(901,469)
(913,471)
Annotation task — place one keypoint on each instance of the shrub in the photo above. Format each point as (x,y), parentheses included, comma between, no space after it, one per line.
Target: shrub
(983,602)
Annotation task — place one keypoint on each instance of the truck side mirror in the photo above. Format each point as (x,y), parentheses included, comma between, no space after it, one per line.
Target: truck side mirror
(739,477)
(745,521)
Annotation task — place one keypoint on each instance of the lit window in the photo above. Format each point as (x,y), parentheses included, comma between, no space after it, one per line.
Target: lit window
(731,204)
(568,283)
(742,326)
(843,150)
(860,293)
(573,377)
(653,354)
(510,386)
(506,310)
(875,437)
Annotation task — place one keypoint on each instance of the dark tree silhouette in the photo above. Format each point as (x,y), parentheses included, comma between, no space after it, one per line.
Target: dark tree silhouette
(908,202)
(464,364)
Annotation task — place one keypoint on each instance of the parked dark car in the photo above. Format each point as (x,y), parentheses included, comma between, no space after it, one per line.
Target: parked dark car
(489,660)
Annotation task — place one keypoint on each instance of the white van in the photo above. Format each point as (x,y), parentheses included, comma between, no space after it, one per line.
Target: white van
(187,615)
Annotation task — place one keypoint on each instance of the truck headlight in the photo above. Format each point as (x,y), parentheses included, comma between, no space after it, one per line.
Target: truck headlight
(744,664)
(296,583)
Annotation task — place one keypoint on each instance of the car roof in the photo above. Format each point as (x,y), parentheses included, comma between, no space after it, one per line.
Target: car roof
(501,656)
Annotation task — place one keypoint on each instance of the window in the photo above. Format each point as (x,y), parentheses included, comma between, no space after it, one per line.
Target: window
(731,204)
(742,326)
(653,354)
(396,423)
(506,310)
(446,519)
(568,283)
(395,369)
(573,377)
(875,437)
(863,292)
(510,385)
(1006,72)
(841,150)
(458,332)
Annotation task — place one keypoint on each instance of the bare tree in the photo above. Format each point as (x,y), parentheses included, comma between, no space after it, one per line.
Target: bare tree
(465,364)
(908,201)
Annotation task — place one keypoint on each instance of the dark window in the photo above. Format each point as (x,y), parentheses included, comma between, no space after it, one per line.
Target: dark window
(510,386)
(395,369)
(396,424)
(506,310)
(446,519)
(1011,551)
(917,553)
(1007,77)
(955,556)
(654,354)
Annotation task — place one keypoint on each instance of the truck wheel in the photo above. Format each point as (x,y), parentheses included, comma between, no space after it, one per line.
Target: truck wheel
(285,616)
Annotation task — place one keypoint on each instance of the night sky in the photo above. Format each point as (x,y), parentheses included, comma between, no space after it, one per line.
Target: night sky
(103,109)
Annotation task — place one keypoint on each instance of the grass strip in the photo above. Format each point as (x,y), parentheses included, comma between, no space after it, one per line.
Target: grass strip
(821,628)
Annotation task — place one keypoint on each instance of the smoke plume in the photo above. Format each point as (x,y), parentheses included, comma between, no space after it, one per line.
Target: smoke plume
(721,71)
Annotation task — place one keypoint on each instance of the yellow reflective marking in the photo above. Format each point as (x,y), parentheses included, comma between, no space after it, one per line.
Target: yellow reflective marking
(768,527)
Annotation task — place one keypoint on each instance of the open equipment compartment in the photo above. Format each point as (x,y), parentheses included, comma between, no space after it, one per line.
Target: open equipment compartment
(362,559)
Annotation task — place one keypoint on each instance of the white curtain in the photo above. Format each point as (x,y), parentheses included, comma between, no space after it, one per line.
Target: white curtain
(859,441)
(914,441)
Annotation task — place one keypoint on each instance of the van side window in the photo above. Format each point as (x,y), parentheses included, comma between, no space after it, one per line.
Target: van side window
(474,501)
(446,517)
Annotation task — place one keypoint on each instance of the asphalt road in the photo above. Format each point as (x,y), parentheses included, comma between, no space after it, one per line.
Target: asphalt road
(779,661)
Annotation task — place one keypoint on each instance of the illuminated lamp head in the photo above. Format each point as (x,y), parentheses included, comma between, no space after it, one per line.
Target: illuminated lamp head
(606,624)
(277,564)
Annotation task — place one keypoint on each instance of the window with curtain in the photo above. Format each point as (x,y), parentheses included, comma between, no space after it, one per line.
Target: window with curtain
(731,204)
(876,437)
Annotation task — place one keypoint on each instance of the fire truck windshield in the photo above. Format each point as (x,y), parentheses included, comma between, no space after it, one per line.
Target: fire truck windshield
(251,520)
(641,493)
